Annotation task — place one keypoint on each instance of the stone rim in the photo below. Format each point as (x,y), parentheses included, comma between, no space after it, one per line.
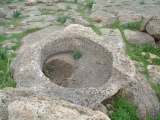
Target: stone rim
(28,67)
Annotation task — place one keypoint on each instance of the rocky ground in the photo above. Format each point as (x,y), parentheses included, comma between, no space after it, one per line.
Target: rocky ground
(132,25)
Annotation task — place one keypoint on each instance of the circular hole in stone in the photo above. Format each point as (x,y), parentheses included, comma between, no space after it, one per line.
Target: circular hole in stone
(59,68)
(92,69)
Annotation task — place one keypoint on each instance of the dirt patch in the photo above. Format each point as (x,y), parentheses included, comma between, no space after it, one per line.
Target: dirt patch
(60,68)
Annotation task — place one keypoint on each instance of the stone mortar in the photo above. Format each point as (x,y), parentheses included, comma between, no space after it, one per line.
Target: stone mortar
(27,67)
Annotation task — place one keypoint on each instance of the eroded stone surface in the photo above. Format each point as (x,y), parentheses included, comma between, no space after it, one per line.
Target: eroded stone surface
(28,66)
(154,72)
(137,37)
(115,36)
(153,27)
(20,104)
(142,96)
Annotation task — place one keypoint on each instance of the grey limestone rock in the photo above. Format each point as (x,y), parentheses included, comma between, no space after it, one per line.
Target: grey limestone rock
(27,67)
(22,104)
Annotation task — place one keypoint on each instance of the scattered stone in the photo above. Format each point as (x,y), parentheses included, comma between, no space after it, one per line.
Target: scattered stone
(110,112)
(80,20)
(109,107)
(101,108)
(20,104)
(152,56)
(1,30)
(139,66)
(11,27)
(23,23)
(49,3)
(9,43)
(149,60)
(10,52)
(3,13)
(137,37)
(153,27)
(31,2)
(129,18)
(12,6)
(154,72)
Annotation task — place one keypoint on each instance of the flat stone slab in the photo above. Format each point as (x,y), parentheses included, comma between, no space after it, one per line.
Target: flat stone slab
(27,67)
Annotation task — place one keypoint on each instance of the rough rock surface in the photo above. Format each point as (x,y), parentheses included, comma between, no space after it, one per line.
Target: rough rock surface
(138,37)
(153,27)
(32,38)
(125,18)
(80,20)
(115,36)
(100,16)
(142,96)
(27,66)
(154,72)
(22,104)
(31,2)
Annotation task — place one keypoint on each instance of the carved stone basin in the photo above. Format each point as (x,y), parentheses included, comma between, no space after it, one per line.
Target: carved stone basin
(98,74)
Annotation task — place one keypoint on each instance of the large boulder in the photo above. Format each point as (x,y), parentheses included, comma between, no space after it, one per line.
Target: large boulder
(20,104)
(142,96)
(100,16)
(153,27)
(117,69)
(125,18)
(137,37)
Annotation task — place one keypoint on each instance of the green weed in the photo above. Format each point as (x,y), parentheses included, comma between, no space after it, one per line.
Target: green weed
(157,3)
(95,29)
(62,19)
(77,54)
(46,73)
(155,118)
(5,78)
(134,25)
(16,14)
(3,53)
(68,7)
(89,3)
(15,21)
(123,109)
(21,9)
(75,1)
(142,2)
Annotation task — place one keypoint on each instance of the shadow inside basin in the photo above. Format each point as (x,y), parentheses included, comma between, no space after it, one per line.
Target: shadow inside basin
(93,69)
